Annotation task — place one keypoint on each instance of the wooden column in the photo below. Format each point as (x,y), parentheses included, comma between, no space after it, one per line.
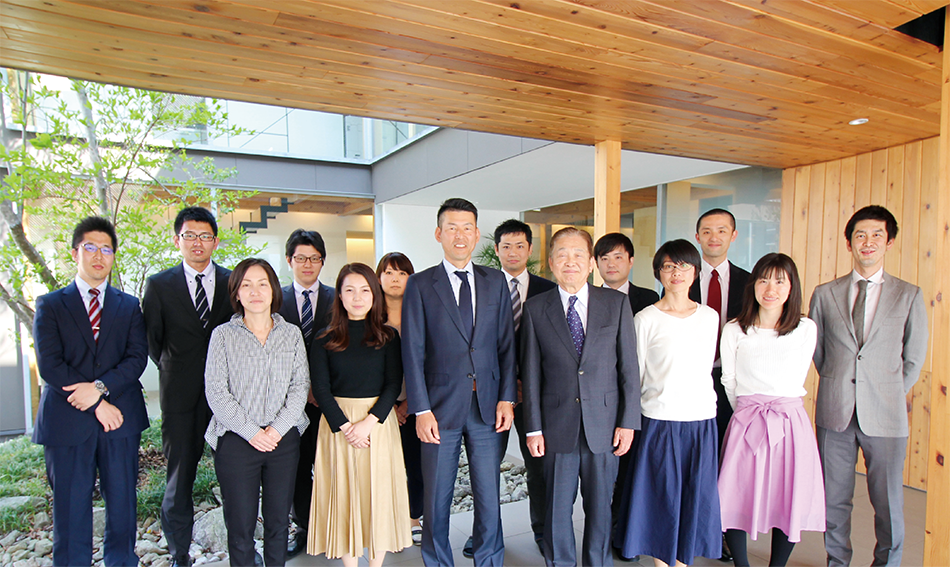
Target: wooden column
(606,191)
(937,527)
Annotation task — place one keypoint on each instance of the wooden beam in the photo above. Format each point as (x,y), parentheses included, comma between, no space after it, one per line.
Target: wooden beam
(606,191)
(358,208)
(937,526)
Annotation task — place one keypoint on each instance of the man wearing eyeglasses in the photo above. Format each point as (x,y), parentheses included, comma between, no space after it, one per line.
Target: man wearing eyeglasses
(307,303)
(91,350)
(182,305)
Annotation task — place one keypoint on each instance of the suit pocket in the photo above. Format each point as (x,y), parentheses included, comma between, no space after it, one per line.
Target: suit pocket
(611,399)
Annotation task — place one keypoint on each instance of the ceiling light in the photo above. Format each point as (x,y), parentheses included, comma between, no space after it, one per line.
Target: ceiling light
(858,121)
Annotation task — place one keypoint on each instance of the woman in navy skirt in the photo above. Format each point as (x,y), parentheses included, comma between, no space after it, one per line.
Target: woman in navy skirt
(770,477)
(670,508)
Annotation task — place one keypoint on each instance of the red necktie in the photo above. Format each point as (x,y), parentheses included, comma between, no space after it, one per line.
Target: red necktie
(714,300)
(95,313)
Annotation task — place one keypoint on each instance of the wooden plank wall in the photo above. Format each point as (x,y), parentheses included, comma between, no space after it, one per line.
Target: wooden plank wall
(818,200)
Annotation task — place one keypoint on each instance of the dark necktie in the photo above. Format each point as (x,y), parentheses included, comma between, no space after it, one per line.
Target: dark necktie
(465,304)
(306,320)
(574,323)
(714,300)
(201,301)
(857,312)
(95,313)
(515,303)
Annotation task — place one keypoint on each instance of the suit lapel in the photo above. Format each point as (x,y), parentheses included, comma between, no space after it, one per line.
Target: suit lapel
(290,300)
(324,303)
(443,289)
(555,313)
(109,310)
(885,304)
(482,311)
(221,299)
(179,289)
(77,308)
(839,291)
(596,316)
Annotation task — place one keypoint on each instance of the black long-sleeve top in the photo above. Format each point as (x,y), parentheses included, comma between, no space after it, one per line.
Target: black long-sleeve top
(357,372)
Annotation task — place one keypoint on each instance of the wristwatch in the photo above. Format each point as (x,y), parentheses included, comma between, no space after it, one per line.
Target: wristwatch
(101,387)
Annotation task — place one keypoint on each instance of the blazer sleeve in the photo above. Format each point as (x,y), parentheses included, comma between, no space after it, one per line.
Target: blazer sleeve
(154,325)
(915,341)
(48,346)
(628,371)
(530,373)
(815,314)
(508,385)
(227,411)
(414,348)
(289,415)
(127,372)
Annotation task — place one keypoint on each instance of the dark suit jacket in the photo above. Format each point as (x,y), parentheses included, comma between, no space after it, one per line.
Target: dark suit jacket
(439,361)
(67,353)
(536,286)
(641,298)
(177,343)
(600,389)
(737,282)
(321,316)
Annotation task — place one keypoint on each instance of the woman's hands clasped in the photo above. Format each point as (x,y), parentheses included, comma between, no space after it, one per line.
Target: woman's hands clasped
(357,434)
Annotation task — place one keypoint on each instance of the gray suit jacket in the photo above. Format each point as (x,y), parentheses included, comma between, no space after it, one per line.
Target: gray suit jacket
(560,390)
(874,379)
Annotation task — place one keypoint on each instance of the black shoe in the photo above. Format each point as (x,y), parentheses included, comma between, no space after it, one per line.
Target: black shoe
(469,549)
(539,539)
(298,544)
(726,554)
(258,560)
(181,561)
(619,553)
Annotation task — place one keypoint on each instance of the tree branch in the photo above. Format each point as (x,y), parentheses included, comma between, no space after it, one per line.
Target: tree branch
(19,306)
(102,187)
(29,251)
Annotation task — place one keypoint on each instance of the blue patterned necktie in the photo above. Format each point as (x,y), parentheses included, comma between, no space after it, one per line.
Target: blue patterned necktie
(465,304)
(574,323)
(306,320)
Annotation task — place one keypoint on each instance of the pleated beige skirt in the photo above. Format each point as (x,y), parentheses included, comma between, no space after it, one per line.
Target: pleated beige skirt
(360,498)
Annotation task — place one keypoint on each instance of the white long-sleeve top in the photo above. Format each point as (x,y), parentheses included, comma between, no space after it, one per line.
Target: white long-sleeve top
(761,362)
(676,358)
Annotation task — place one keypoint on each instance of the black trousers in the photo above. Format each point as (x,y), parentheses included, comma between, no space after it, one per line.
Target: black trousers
(534,471)
(723,409)
(183,443)
(244,473)
(303,482)
(412,456)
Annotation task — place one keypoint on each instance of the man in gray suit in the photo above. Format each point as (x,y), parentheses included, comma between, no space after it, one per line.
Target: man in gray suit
(581,386)
(872,340)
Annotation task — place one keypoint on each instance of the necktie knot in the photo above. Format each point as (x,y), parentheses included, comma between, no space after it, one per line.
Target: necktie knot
(94,292)
(572,300)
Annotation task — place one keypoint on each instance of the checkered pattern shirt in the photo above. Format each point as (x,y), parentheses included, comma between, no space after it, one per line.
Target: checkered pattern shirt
(250,386)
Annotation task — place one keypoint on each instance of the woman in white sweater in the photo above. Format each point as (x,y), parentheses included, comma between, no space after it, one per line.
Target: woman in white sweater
(770,477)
(670,495)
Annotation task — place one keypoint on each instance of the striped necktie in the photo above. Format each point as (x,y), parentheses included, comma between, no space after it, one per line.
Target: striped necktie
(306,319)
(201,302)
(516,302)
(95,312)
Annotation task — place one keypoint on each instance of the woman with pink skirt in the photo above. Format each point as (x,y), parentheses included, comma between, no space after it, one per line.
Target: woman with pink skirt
(770,475)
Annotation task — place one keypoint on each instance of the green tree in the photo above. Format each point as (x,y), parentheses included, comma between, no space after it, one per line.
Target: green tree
(121,155)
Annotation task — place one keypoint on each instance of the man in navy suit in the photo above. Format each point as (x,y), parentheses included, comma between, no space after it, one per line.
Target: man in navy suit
(458,353)
(91,350)
(307,303)
(182,305)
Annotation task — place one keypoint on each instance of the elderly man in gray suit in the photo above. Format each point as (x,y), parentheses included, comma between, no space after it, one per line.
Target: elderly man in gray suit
(581,386)
(872,340)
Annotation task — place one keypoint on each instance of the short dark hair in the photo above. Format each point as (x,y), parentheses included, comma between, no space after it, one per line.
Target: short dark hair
(94,224)
(512,226)
(678,251)
(196,214)
(872,212)
(712,212)
(396,260)
(572,231)
(301,237)
(237,276)
(791,311)
(456,204)
(610,242)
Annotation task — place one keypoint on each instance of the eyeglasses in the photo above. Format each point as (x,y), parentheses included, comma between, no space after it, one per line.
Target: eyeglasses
(204,236)
(301,259)
(92,249)
(670,267)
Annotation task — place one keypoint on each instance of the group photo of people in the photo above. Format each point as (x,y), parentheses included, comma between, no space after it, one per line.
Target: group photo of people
(336,411)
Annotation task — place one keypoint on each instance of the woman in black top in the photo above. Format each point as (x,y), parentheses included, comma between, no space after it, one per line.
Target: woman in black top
(359,483)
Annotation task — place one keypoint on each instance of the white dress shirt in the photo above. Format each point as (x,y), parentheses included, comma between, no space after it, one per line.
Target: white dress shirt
(457,281)
(84,288)
(207,282)
(624,287)
(523,281)
(583,296)
(870,299)
(314,294)
(705,275)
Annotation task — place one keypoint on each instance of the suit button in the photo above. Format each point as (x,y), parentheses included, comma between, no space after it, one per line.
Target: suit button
(581,372)
(853,381)
(471,376)
(577,400)
(473,349)
(860,357)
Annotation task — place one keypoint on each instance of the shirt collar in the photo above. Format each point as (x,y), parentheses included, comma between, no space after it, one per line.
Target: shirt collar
(876,278)
(624,287)
(190,272)
(582,295)
(299,289)
(84,287)
(450,269)
(707,269)
(522,278)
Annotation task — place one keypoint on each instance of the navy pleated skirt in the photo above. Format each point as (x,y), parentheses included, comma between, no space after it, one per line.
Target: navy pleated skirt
(670,505)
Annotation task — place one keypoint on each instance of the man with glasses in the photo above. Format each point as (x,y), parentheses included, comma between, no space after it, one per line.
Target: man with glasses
(91,350)
(182,305)
(307,303)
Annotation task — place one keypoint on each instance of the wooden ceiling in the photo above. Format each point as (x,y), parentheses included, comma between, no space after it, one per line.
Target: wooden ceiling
(764,82)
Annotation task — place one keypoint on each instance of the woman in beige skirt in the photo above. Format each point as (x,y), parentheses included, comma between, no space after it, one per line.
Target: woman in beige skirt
(360,499)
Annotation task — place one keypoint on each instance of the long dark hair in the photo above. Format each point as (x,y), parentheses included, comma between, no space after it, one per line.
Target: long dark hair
(791,311)
(377,332)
